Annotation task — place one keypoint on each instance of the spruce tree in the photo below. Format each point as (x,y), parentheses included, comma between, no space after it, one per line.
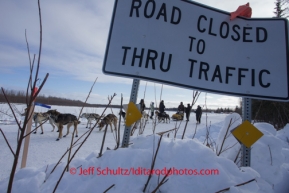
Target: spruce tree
(281,9)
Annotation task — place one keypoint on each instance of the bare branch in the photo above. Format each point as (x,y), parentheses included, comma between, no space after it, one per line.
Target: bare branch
(71,143)
(5,113)
(225,137)
(31,64)
(164,180)
(185,129)
(235,161)
(109,188)
(60,161)
(40,87)
(103,139)
(163,132)
(229,147)
(195,131)
(29,84)
(236,185)
(11,108)
(270,155)
(8,143)
(118,129)
(27,45)
(153,164)
(177,129)
(257,112)
(35,128)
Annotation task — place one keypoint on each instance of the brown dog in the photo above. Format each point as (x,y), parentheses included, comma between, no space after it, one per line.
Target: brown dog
(108,120)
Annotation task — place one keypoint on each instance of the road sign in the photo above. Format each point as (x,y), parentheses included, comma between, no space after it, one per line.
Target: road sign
(247,133)
(190,45)
(132,114)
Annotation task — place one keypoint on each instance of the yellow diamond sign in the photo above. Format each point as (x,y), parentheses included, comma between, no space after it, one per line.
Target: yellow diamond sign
(247,133)
(132,114)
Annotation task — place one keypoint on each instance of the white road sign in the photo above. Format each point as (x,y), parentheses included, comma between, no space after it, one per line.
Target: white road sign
(190,45)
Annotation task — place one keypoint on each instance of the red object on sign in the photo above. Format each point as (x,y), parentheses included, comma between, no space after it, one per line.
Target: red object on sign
(34,91)
(243,10)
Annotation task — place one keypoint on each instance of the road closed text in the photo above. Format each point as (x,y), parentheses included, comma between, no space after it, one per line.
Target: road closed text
(226,74)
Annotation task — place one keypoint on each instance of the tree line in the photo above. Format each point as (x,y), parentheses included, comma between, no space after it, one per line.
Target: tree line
(20,97)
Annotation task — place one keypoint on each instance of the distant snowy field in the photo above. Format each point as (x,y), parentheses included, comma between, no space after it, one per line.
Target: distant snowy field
(269,158)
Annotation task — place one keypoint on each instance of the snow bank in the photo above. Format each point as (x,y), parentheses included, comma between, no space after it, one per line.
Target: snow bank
(187,158)
(129,166)
(269,155)
(270,159)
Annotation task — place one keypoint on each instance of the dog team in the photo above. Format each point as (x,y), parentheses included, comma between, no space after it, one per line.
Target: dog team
(58,119)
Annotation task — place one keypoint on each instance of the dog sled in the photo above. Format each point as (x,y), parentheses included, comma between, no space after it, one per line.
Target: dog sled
(178,116)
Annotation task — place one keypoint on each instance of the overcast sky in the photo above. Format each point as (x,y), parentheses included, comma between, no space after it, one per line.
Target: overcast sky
(74,41)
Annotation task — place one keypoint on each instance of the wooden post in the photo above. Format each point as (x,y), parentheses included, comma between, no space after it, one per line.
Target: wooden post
(28,130)
(27,138)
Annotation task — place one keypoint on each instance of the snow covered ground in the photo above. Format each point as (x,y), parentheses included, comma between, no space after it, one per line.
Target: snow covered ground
(194,166)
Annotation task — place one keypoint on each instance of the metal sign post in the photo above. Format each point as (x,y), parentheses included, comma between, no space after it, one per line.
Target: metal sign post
(246,115)
(133,98)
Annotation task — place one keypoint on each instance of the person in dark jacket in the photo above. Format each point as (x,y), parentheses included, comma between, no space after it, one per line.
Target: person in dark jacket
(142,105)
(181,108)
(188,112)
(198,114)
(162,107)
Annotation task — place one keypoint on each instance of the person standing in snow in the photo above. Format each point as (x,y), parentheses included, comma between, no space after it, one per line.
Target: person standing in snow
(198,114)
(181,108)
(162,107)
(152,110)
(142,105)
(188,111)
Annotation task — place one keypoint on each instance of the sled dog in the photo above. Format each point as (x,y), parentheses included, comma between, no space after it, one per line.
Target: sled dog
(40,118)
(90,117)
(108,120)
(163,117)
(122,113)
(63,119)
